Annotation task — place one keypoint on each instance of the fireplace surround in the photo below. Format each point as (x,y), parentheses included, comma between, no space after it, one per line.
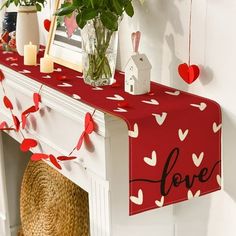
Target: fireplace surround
(102,172)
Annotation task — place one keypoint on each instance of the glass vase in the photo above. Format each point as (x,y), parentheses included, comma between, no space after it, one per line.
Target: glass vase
(99,53)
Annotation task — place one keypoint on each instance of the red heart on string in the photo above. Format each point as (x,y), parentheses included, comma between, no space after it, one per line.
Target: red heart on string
(3,125)
(47,24)
(37,100)
(2,76)
(7,103)
(80,142)
(16,122)
(54,162)
(65,158)
(89,123)
(31,109)
(189,73)
(28,143)
(23,121)
(38,156)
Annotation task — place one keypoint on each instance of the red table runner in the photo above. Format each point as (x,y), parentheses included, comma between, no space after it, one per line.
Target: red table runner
(174,136)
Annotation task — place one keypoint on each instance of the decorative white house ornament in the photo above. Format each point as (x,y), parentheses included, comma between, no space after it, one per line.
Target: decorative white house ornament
(137,70)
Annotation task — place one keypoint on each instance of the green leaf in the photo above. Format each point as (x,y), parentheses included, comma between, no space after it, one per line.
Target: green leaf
(77,3)
(38,7)
(16,2)
(80,21)
(65,10)
(109,20)
(129,9)
(89,14)
(117,6)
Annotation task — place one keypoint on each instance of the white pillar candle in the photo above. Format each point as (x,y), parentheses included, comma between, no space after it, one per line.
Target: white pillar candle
(46,65)
(30,54)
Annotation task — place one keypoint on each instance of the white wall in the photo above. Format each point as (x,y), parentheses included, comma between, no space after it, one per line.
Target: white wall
(164,24)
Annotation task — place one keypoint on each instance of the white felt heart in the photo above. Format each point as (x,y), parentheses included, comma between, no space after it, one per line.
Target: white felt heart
(161,202)
(202,106)
(191,195)
(138,200)
(134,133)
(64,85)
(175,93)
(24,72)
(97,88)
(151,102)
(75,96)
(151,161)
(183,134)
(120,110)
(160,118)
(13,64)
(46,77)
(58,70)
(216,127)
(116,97)
(197,160)
(218,179)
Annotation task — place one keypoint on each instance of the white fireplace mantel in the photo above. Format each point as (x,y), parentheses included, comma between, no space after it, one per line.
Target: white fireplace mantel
(101,168)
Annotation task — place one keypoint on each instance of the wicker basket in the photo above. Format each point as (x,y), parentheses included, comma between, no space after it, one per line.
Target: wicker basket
(51,205)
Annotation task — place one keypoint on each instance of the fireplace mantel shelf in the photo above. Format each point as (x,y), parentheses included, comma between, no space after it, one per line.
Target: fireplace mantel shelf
(101,171)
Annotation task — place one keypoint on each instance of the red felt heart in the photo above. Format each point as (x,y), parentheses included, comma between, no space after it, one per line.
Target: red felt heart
(31,109)
(89,124)
(28,143)
(80,142)
(23,121)
(3,125)
(16,122)
(189,73)
(54,162)
(7,102)
(37,100)
(2,76)
(47,24)
(65,158)
(38,156)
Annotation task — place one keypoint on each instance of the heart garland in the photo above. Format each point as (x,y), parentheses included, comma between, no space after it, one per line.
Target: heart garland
(89,127)
(188,72)
(29,143)
(47,24)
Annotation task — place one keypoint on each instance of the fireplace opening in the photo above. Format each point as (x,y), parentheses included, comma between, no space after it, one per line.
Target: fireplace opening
(38,199)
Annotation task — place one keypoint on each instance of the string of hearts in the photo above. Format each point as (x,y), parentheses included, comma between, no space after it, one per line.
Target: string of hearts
(187,71)
(29,143)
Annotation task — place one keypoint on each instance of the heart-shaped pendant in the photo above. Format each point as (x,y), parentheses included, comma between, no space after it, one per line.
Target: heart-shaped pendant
(189,73)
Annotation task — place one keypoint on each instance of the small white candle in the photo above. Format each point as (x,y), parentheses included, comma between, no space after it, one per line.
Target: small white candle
(30,54)
(46,65)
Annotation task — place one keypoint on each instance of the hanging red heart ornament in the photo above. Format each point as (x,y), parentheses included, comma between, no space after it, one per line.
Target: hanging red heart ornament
(37,100)
(47,24)
(89,123)
(54,162)
(65,158)
(7,103)
(188,73)
(16,122)
(28,143)
(38,156)
(2,76)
